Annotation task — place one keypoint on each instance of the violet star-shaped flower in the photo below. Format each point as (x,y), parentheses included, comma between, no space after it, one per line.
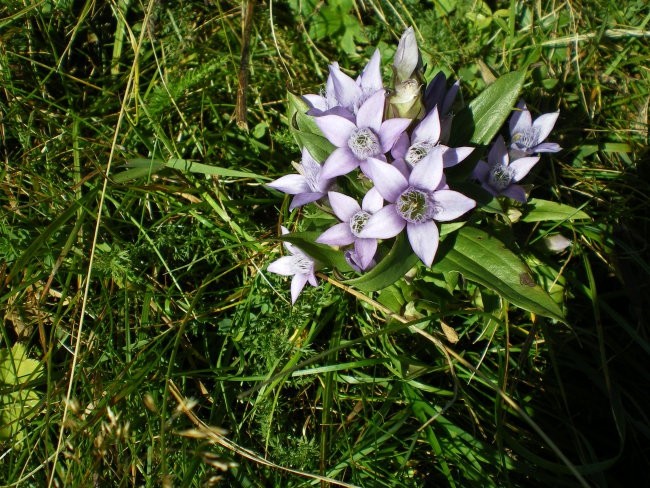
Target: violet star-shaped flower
(298,264)
(410,151)
(415,203)
(500,175)
(526,136)
(365,139)
(307,186)
(341,91)
(353,219)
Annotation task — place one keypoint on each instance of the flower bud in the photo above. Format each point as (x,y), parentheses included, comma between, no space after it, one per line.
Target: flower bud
(407,62)
(406,100)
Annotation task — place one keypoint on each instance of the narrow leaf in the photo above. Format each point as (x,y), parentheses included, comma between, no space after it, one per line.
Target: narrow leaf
(544,210)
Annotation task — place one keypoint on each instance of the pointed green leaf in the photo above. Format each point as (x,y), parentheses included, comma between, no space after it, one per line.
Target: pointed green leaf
(305,131)
(541,210)
(484,259)
(482,119)
(390,269)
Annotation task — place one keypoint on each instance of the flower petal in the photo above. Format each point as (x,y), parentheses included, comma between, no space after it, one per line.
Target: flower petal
(335,128)
(515,192)
(407,55)
(520,120)
(455,155)
(291,184)
(550,147)
(284,266)
(390,132)
(452,205)
(401,146)
(344,206)
(370,78)
(373,201)
(427,174)
(340,162)
(384,224)
(372,111)
(305,198)
(544,123)
(449,98)
(424,240)
(387,179)
(498,155)
(481,171)
(346,90)
(337,235)
(522,166)
(403,167)
(297,284)
(365,250)
(316,102)
(428,130)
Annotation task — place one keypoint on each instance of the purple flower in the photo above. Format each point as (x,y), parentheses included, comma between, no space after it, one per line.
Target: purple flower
(499,175)
(298,265)
(415,203)
(353,220)
(307,186)
(437,95)
(365,139)
(526,136)
(342,92)
(425,137)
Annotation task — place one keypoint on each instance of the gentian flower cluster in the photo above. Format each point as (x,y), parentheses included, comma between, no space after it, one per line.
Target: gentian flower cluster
(393,143)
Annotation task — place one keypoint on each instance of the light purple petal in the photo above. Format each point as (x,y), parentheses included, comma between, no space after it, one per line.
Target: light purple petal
(428,129)
(520,120)
(297,284)
(346,90)
(449,98)
(335,128)
(401,146)
(428,172)
(365,169)
(498,154)
(454,155)
(370,78)
(544,123)
(373,201)
(339,111)
(390,183)
(407,55)
(284,266)
(515,192)
(344,206)
(291,184)
(522,166)
(434,93)
(424,239)
(365,249)
(402,167)
(390,132)
(481,171)
(384,224)
(451,205)
(316,102)
(371,112)
(311,278)
(340,162)
(304,198)
(548,147)
(337,235)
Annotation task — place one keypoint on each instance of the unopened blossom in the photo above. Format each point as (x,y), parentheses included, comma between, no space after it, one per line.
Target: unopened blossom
(353,220)
(527,136)
(406,97)
(307,186)
(297,264)
(437,95)
(407,61)
(364,139)
(343,95)
(500,176)
(415,203)
(409,151)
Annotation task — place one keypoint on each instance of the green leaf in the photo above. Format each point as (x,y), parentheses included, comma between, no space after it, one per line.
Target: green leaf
(305,131)
(322,253)
(142,167)
(543,210)
(390,269)
(482,119)
(16,368)
(484,259)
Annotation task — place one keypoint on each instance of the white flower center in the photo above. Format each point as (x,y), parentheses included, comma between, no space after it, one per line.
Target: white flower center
(416,206)
(364,143)
(302,264)
(500,177)
(358,222)
(527,139)
(417,151)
